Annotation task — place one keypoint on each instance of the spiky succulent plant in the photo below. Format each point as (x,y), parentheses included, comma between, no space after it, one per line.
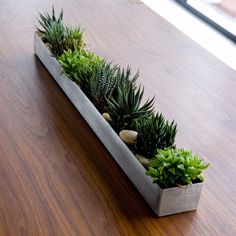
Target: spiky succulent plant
(46,20)
(57,36)
(124,78)
(74,39)
(80,66)
(102,85)
(126,108)
(154,132)
(53,31)
(54,38)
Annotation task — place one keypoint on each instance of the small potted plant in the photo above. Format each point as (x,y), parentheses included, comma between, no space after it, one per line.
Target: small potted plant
(178,173)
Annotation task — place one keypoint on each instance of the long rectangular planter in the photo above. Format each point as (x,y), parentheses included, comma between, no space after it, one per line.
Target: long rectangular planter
(162,201)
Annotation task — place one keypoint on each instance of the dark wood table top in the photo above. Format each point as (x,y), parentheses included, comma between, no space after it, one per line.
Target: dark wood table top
(56,178)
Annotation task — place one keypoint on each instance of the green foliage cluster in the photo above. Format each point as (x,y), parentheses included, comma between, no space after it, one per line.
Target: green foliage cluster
(124,78)
(114,90)
(100,81)
(154,132)
(59,37)
(126,108)
(55,36)
(172,167)
(46,20)
(74,39)
(80,66)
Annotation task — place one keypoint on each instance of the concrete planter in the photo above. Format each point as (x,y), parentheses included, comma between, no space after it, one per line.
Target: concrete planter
(162,201)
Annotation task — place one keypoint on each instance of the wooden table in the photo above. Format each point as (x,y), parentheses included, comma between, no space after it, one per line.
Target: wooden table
(56,178)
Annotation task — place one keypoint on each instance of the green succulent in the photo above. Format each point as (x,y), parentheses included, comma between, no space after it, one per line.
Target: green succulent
(47,20)
(58,37)
(173,167)
(126,108)
(98,79)
(53,32)
(154,132)
(124,78)
(74,39)
(80,66)
(102,85)
(54,38)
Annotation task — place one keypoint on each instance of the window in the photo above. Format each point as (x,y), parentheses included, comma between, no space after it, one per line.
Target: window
(219,13)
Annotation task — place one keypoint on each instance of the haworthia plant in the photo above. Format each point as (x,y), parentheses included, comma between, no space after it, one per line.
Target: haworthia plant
(175,167)
(126,108)
(154,132)
(80,66)
(57,36)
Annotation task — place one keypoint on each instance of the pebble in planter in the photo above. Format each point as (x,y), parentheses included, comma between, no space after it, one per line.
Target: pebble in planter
(107,117)
(128,136)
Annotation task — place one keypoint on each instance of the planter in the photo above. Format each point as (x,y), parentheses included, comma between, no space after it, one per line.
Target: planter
(162,201)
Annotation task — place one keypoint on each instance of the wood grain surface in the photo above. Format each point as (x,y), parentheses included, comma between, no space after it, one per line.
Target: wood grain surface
(56,178)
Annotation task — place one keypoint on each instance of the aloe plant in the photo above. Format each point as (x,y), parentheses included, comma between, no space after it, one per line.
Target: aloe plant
(173,167)
(154,132)
(126,108)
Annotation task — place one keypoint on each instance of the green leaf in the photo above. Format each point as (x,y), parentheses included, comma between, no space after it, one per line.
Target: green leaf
(176,167)
(181,167)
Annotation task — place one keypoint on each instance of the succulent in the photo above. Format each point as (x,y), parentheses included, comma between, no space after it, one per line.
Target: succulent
(58,37)
(68,61)
(74,39)
(80,66)
(46,20)
(55,37)
(102,85)
(53,32)
(124,78)
(176,167)
(154,132)
(126,108)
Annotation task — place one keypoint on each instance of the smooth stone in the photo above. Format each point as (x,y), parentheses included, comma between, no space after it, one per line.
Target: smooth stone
(107,117)
(128,136)
(143,160)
